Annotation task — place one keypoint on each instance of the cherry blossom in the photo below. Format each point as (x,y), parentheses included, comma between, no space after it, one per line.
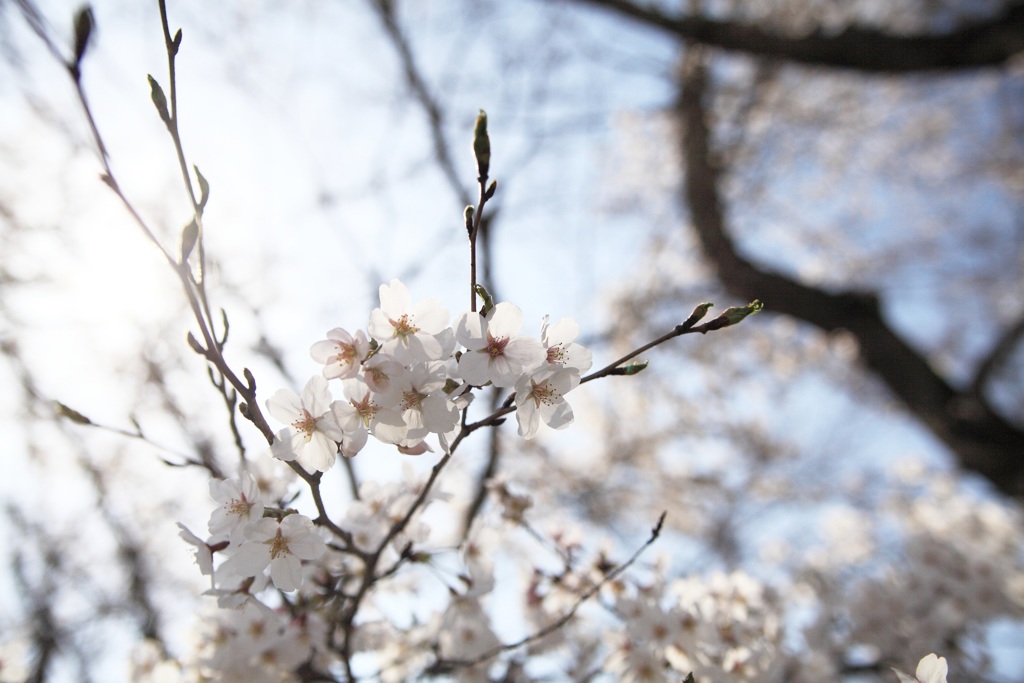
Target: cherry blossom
(494,351)
(239,503)
(539,396)
(366,412)
(424,405)
(559,342)
(931,669)
(204,553)
(406,331)
(341,353)
(312,437)
(280,544)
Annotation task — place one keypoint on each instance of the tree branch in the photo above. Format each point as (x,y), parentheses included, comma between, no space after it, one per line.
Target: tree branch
(982,441)
(989,42)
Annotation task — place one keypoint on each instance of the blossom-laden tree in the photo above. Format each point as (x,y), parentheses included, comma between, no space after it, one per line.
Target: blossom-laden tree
(732,506)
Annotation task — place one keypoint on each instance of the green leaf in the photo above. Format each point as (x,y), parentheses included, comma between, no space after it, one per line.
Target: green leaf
(159,100)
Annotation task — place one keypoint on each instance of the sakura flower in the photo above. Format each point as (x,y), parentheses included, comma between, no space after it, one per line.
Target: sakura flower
(341,353)
(204,553)
(558,340)
(540,396)
(362,412)
(239,503)
(405,331)
(311,438)
(494,352)
(931,669)
(282,545)
(381,373)
(424,405)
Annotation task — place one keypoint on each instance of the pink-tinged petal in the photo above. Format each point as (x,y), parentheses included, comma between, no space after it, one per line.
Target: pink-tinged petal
(250,559)
(262,530)
(471,331)
(504,320)
(319,453)
(559,415)
(353,443)
(380,327)
(286,572)
(284,406)
(204,556)
(316,397)
(564,331)
(524,351)
(395,298)
(430,316)
(932,669)
(282,446)
(474,368)
(528,419)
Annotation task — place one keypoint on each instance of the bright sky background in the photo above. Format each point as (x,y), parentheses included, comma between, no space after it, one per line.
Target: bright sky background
(322,187)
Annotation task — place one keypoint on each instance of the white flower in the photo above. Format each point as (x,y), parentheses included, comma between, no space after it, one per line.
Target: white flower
(424,405)
(494,352)
(405,331)
(204,554)
(341,353)
(558,340)
(239,502)
(282,545)
(539,396)
(363,413)
(312,437)
(931,669)
(381,373)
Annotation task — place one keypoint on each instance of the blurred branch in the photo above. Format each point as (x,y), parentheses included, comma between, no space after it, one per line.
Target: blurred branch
(988,42)
(1002,349)
(385,10)
(446,665)
(982,440)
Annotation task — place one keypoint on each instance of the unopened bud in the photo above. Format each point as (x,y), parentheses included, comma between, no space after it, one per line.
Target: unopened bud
(481,145)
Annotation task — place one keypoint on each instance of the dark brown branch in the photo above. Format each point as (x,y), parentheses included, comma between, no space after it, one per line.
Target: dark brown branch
(989,42)
(982,441)
(1000,352)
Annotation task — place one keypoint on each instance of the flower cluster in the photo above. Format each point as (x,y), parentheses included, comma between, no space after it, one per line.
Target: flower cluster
(252,542)
(720,628)
(409,375)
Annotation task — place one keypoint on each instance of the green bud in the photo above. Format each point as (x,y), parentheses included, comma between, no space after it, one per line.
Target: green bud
(71,414)
(735,314)
(699,312)
(159,100)
(204,188)
(84,24)
(486,297)
(634,368)
(732,316)
(188,239)
(481,145)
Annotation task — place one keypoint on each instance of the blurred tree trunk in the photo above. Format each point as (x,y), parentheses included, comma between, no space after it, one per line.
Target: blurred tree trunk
(982,440)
